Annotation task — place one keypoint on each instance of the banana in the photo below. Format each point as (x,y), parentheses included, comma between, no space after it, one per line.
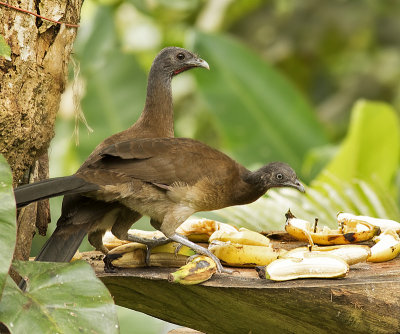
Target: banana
(310,266)
(200,269)
(237,255)
(387,247)
(350,253)
(171,247)
(349,232)
(199,230)
(110,241)
(134,258)
(243,237)
(133,255)
(383,224)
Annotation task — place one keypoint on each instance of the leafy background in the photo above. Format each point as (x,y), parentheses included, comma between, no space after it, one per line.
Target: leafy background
(289,80)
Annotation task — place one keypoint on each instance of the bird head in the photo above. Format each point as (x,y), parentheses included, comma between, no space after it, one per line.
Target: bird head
(279,174)
(173,60)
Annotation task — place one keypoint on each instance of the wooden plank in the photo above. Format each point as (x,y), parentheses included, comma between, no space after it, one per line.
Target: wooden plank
(366,301)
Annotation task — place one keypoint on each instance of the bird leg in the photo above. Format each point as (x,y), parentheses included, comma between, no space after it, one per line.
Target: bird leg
(199,249)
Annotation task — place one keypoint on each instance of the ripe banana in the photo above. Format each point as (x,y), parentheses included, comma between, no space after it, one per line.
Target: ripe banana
(133,255)
(172,247)
(243,237)
(310,266)
(349,232)
(199,230)
(387,247)
(350,253)
(237,255)
(383,224)
(200,269)
(110,241)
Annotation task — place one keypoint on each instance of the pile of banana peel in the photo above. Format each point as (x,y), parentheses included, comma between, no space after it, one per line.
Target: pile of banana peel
(329,252)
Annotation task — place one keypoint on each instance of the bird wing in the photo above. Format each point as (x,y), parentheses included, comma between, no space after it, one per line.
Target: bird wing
(165,161)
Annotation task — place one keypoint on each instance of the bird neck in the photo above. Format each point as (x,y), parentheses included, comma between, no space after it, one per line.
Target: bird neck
(158,114)
(250,188)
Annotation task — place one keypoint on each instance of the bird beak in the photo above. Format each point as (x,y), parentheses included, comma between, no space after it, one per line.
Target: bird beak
(299,186)
(198,62)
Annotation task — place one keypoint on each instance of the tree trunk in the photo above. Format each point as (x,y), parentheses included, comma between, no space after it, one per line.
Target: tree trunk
(30,89)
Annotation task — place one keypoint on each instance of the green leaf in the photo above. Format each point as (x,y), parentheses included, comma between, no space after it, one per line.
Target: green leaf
(5,50)
(8,233)
(60,298)
(371,147)
(356,180)
(261,115)
(116,84)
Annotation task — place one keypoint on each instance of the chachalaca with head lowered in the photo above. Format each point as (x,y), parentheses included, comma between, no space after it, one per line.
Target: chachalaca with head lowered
(167,179)
(156,120)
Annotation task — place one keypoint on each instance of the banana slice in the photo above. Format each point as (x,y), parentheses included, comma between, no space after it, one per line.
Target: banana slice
(237,255)
(387,247)
(200,230)
(349,232)
(310,266)
(243,237)
(383,224)
(350,253)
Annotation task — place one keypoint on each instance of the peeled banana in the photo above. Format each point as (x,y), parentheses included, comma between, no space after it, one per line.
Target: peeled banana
(349,232)
(350,253)
(237,255)
(199,230)
(387,247)
(310,266)
(243,237)
(383,224)
(200,269)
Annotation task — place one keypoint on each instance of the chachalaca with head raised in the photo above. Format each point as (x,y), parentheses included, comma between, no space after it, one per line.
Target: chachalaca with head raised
(167,179)
(156,120)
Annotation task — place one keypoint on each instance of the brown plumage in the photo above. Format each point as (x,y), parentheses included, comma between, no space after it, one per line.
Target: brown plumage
(156,120)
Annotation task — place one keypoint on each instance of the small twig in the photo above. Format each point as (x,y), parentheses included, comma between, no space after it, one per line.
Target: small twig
(37,15)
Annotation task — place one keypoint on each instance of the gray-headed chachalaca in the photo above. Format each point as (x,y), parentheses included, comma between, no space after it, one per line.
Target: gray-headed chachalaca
(167,179)
(156,120)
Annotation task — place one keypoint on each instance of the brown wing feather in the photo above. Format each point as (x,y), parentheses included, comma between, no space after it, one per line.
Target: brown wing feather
(166,161)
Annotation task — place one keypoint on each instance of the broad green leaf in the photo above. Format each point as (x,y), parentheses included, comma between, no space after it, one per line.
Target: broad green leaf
(5,50)
(356,180)
(60,298)
(261,116)
(116,84)
(371,147)
(8,233)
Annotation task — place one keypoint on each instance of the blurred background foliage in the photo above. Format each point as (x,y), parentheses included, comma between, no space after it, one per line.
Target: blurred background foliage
(284,78)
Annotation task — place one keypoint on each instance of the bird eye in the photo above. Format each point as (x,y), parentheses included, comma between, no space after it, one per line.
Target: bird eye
(180,56)
(279,176)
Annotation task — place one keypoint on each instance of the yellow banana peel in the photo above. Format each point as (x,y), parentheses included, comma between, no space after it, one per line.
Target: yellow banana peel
(200,230)
(383,224)
(243,237)
(387,247)
(349,232)
(238,255)
(200,269)
(350,253)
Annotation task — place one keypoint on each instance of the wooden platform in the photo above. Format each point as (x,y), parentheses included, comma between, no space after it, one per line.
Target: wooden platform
(366,301)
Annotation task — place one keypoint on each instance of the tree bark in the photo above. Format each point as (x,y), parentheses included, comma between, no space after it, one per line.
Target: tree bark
(30,89)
